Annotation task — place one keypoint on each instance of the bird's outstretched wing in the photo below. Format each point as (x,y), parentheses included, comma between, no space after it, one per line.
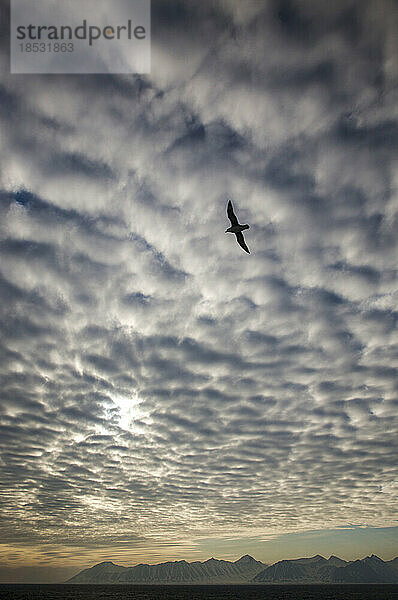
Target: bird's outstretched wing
(241,241)
(231,214)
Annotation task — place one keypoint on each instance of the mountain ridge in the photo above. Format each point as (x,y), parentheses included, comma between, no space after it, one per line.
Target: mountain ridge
(246,569)
(209,571)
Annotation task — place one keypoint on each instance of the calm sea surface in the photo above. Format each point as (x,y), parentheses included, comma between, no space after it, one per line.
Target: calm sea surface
(198,592)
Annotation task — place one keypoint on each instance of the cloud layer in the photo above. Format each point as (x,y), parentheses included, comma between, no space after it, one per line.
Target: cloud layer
(160,386)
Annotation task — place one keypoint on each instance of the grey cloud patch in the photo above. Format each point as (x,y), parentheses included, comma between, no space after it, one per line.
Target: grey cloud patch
(216,139)
(362,271)
(137,298)
(78,164)
(321,73)
(382,136)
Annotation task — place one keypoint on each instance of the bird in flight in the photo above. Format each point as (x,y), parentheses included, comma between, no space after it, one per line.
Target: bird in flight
(236,228)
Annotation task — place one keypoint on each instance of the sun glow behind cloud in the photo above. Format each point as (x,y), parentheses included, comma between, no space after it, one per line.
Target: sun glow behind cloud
(128,411)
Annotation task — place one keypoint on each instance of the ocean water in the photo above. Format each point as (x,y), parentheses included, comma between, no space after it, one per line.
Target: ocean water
(198,592)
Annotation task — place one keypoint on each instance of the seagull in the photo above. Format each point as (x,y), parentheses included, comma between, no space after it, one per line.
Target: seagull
(236,228)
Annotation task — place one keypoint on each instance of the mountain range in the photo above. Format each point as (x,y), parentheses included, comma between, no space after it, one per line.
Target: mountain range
(316,569)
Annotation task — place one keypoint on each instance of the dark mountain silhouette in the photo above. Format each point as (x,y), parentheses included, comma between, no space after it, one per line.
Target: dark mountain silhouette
(369,570)
(335,561)
(394,564)
(210,571)
(334,570)
(301,569)
(315,569)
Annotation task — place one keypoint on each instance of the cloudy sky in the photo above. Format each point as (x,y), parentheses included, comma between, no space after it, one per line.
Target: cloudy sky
(164,394)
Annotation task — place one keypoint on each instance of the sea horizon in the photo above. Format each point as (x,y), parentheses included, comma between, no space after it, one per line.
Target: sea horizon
(199,592)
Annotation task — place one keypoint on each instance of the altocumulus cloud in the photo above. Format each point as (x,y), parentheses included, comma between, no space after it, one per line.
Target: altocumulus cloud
(158,385)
